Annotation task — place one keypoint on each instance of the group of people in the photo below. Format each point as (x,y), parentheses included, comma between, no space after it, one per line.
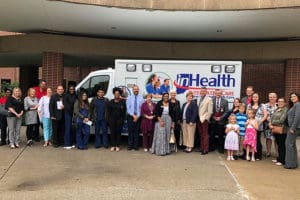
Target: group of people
(164,124)
(277,119)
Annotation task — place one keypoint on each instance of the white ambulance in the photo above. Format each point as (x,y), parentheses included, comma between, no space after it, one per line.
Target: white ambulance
(158,76)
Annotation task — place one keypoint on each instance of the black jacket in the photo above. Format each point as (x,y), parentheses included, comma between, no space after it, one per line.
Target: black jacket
(159,110)
(69,100)
(54,112)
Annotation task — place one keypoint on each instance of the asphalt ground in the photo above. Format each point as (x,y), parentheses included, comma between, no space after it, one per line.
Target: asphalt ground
(39,172)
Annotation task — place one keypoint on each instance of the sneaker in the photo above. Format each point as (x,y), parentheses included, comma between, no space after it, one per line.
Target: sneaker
(17,145)
(145,150)
(228,158)
(231,158)
(29,143)
(278,163)
(73,146)
(68,148)
(112,148)
(117,148)
(274,161)
(12,146)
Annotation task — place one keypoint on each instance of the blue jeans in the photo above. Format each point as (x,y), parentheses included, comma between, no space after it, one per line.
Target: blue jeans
(82,135)
(101,124)
(69,136)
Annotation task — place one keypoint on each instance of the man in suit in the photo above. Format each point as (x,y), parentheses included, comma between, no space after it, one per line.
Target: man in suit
(247,99)
(205,108)
(218,121)
(56,109)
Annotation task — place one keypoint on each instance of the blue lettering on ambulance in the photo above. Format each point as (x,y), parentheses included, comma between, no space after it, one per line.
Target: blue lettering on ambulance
(195,80)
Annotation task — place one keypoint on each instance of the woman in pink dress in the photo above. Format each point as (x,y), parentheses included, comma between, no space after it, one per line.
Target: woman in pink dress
(147,124)
(250,135)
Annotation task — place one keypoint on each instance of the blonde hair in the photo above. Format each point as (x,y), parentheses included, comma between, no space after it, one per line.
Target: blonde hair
(189,93)
(30,90)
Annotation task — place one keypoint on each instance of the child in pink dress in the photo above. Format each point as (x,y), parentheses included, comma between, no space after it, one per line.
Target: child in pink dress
(250,135)
(232,136)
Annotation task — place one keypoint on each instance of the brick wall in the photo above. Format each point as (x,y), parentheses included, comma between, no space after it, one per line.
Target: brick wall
(9,73)
(53,71)
(264,78)
(292,76)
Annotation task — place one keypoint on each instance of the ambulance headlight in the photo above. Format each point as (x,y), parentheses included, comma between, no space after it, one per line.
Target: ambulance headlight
(131,67)
(216,68)
(229,69)
(147,68)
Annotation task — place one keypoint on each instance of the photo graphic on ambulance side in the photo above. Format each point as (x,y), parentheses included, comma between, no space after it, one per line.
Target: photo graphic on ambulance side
(158,83)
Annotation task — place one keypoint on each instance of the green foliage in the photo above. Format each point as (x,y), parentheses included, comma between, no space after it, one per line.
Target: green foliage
(8,85)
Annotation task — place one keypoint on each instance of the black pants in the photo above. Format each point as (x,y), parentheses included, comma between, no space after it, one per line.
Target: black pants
(258,154)
(115,132)
(3,126)
(177,133)
(32,132)
(280,140)
(58,128)
(133,132)
(217,129)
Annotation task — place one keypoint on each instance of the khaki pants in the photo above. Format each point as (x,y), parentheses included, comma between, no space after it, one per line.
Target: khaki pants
(241,146)
(188,132)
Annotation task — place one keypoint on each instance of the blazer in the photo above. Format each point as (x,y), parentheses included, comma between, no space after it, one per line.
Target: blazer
(190,113)
(293,117)
(223,107)
(205,110)
(54,112)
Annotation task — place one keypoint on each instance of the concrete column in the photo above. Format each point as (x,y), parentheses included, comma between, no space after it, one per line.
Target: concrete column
(52,69)
(292,77)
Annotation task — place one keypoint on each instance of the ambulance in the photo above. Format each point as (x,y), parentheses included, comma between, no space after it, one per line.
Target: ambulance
(158,76)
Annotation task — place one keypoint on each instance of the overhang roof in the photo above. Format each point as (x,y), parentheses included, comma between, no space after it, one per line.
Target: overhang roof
(32,16)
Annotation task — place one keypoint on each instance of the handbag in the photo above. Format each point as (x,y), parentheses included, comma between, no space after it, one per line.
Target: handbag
(172,137)
(277,129)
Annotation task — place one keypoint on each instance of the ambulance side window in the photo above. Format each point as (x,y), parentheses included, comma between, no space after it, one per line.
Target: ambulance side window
(94,83)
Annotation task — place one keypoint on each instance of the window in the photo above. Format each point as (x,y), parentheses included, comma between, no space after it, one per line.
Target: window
(94,83)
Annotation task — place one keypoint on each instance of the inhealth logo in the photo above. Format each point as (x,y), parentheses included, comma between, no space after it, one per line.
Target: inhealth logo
(196,81)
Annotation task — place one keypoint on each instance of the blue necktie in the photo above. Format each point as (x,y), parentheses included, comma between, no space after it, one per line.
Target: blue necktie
(135,105)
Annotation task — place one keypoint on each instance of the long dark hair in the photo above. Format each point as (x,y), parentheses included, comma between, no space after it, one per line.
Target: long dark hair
(252,102)
(83,103)
(151,78)
(291,104)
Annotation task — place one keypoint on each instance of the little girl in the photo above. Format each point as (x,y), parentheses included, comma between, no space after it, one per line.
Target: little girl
(250,135)
(232,137)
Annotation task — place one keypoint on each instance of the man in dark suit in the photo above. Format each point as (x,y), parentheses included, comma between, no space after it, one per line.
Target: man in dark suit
(56,109)
(247,99)
(218,121)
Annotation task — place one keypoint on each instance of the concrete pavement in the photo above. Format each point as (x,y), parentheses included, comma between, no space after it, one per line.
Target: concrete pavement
(47,173)
(54,173)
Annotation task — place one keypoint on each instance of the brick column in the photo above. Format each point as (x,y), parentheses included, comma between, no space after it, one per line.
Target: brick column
(53,69)
(292,77)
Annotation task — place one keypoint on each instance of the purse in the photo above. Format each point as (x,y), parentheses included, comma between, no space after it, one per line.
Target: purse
(277,129)
(172,137)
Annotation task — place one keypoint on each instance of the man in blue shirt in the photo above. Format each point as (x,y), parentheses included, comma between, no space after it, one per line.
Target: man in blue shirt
(98,110)
(134,104)
(165,87)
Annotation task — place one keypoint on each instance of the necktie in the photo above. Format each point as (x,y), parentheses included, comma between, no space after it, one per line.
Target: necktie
(135,105)
(218,104)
